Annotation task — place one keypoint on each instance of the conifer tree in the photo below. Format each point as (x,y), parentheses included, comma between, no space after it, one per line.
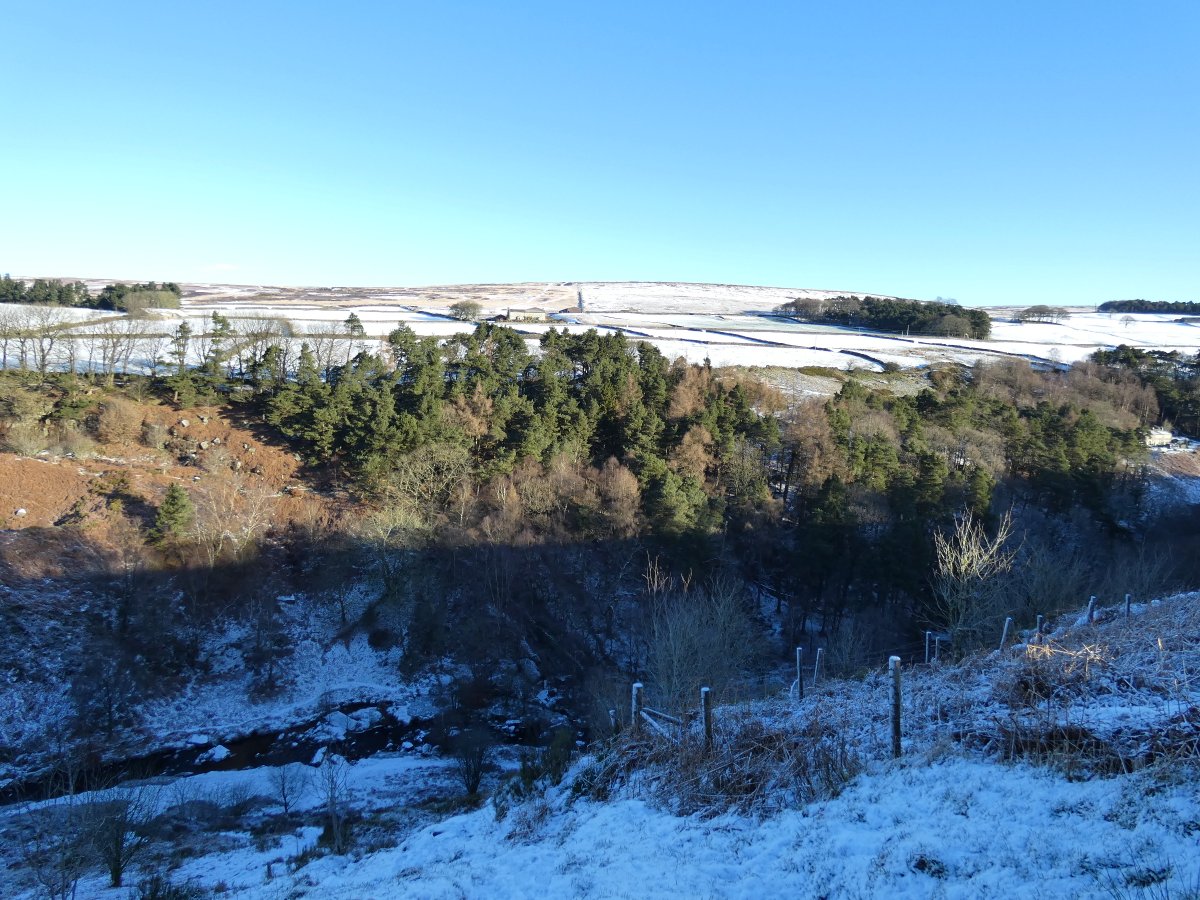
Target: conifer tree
(175,514)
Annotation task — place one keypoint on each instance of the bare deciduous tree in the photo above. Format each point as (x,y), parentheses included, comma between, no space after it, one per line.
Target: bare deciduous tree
(117,338)
(333,778)
(116,823)
(323,344)
(9,327)
(44,327)
(970,593)
(698,637)
(290,783)
(55,849)
(231,512)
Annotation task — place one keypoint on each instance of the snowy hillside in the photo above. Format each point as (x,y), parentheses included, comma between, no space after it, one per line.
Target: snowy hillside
(1063,765)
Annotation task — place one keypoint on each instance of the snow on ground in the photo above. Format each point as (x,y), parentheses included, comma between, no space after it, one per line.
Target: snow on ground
(939,822)
(949,819)
(319,673)
(727,324)
(753,355)
(691,299)
(1096,330)
(958,828)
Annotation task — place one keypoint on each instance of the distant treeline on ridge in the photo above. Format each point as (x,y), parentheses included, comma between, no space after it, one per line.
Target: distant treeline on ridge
(1150,306)
(893,315)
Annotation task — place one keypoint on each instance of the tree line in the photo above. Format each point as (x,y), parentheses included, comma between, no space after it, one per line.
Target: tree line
(117,297)
(892,314)
(1149,306)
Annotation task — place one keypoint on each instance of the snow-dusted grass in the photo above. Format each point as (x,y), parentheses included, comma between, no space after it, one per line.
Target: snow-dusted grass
(753,355)
(957,828)
(948,819)
(968,811)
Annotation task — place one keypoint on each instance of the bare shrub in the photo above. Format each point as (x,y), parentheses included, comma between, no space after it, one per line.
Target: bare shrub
(1142,571)
(25,439)
(471,749)
(289,783)
(160,887)
(120,422)
(231,513)
(970,594)
(154,435)
(67,439)
(116,826)
(755,766)
(1051,574)
(698,637)
(845,651)
(55,850)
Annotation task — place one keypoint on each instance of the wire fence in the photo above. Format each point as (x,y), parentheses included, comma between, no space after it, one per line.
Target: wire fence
(1028,691)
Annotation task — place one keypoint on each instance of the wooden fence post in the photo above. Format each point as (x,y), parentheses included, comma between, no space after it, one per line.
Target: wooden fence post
(799,673)
(706,717)
(894,669)
(1091,613)
(817,664)
(928,635)
(937,647)
(1128,598)
(1041,621)
(636,722)
(1004,636)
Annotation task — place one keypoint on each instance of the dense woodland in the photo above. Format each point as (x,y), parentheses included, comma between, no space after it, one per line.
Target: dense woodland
(1173,376)
(1149,306)
(581,502)
(893,315)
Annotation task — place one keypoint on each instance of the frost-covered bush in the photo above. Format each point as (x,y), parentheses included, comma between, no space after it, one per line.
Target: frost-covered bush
(756,765)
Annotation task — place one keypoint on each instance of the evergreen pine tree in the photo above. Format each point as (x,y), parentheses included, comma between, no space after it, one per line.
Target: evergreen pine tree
(175,514)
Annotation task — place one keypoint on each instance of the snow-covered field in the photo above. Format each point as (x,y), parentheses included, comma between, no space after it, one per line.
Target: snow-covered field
(729,325)
(957,828)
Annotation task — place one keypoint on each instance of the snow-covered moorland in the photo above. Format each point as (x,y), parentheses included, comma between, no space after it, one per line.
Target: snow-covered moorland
(1061,766)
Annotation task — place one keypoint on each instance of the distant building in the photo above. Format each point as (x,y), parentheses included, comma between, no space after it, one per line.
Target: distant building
(526,315)
(1159,437)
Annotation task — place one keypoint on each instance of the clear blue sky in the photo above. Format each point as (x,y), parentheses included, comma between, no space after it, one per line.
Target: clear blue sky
(993,152)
